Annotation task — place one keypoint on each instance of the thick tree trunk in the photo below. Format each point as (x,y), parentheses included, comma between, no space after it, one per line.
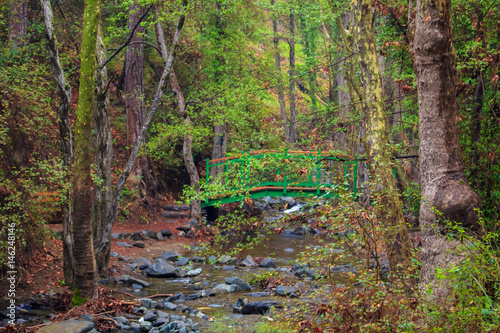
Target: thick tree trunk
(134,98)
(195,206)
(281,92)
(443,182)
(292,97)
(377,134)
(85,273)
(134,78)
(18,24)
(101,204)
(64,91)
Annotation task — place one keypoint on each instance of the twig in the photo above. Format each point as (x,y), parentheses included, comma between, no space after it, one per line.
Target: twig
(127,41)
(161,295)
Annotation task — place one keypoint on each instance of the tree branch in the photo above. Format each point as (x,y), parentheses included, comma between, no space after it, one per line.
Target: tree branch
(127,41)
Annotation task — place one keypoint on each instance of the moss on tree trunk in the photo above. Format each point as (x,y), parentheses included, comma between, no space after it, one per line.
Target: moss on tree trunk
(369,90)
(85,265)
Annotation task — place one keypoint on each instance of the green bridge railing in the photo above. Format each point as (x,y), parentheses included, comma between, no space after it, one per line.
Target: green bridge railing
(279,173)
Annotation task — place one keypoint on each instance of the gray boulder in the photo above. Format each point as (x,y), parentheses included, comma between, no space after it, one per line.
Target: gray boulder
(68,326)
(169,306)
(137,236)
(224,288)
(258,307)
(131,280)
(166,232)
(268,262)
(193,272)
(286,291)
(170,256)
(163,269)
(142,261)
(248,262)
(182,261)
(239,283)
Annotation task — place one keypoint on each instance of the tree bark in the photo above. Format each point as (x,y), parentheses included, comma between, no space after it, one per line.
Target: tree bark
(64,91)
(281,93)
(134,93)
(377,133)
(18,24)
(293,108)
(195,206)
(101,203)
(220,126)
(476,122)
(220,148)
(85,273)
(443,182)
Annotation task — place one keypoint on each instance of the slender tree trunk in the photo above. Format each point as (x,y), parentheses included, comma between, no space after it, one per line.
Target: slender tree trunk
(85,273)
(443,182)
(195,206)
(220,127)
(281,93)
(187,153)
(134,98)
(18,24)
(377,133)
(101,204)
(64,91)
(332,68)
(293,108)
(476,122)
(220,148)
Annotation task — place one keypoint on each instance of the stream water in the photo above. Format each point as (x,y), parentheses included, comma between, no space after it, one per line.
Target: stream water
(283,248)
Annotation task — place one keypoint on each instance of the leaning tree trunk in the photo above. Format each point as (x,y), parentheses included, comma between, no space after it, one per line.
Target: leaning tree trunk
(85,273)
(443,182)
(292,97)
(64,91)
(281,93)
(18,24)
(195,206)
(101,203)
(377,133)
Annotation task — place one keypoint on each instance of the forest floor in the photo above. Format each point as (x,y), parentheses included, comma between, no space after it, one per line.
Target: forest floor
(44,274)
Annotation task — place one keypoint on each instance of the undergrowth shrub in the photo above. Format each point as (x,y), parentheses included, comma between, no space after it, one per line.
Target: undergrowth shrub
(367,297)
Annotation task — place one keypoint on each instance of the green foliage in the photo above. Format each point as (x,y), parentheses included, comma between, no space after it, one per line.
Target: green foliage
(262,279)
(31,173)
(411,199)
(475,281)
(274,327)
(77,299)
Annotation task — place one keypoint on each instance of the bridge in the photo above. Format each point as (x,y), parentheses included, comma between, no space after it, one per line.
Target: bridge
(281,173)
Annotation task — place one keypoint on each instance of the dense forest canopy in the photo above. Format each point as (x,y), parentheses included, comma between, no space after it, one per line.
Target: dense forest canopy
(110,107)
